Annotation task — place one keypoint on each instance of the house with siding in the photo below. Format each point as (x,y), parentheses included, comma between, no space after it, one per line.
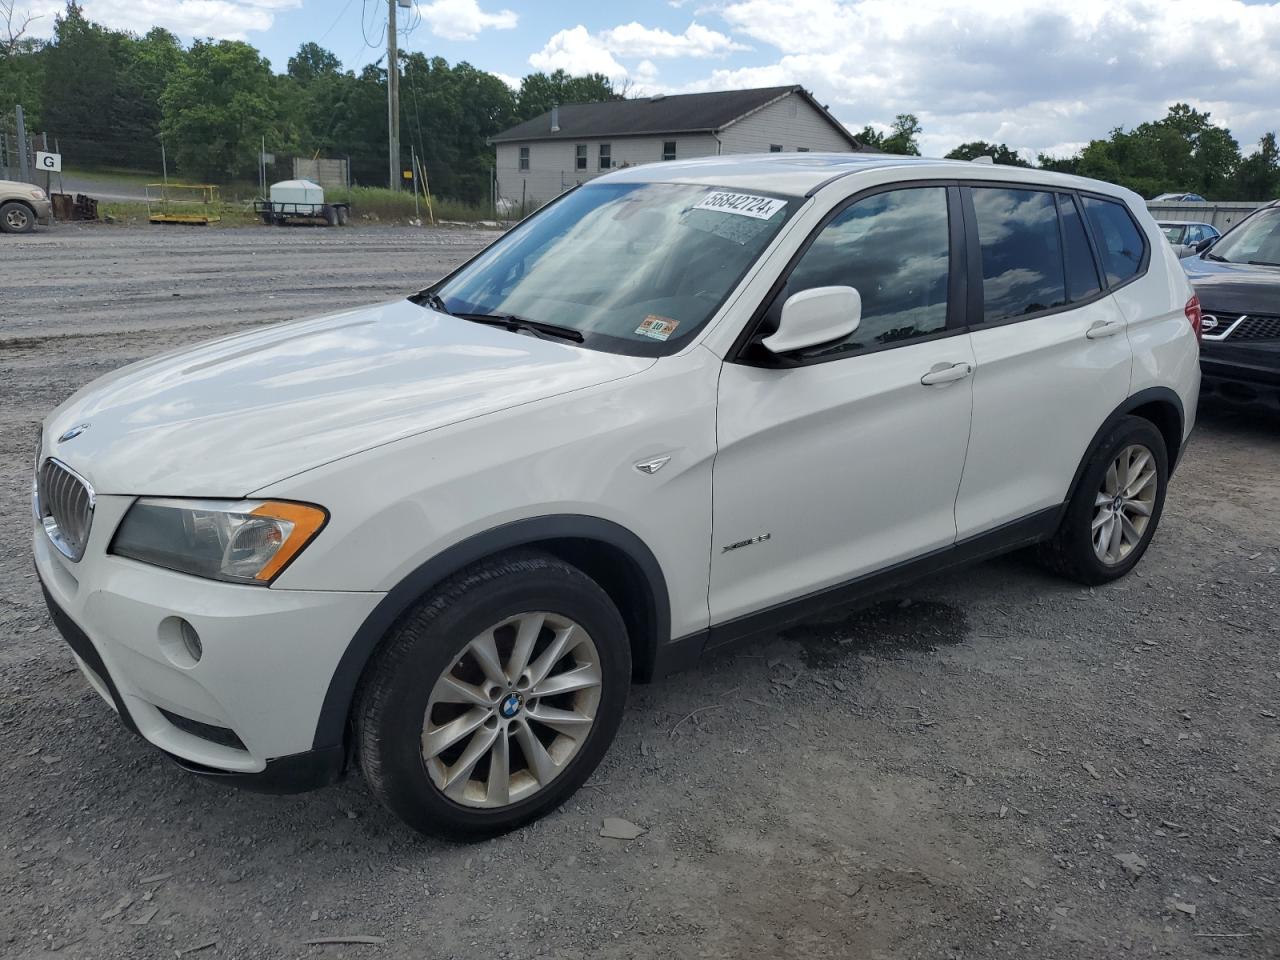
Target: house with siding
(542,158)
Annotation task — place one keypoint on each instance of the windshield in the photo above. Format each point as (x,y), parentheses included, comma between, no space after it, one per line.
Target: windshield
(637,268)
(1257,240)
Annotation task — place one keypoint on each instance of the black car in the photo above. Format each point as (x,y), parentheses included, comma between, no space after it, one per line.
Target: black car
(1238,281)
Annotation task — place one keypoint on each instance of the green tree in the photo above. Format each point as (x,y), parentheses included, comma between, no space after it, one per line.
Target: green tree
(1258,175)
(1000,153)
(901,138)
(80,76)
(21,76)
(217,108)
(313,62)
(539,92)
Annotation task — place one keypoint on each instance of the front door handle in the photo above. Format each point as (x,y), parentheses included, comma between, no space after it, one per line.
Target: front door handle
(946,373)
(1104,328)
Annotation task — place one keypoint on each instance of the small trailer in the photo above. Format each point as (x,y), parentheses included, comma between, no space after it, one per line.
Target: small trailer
(301,201)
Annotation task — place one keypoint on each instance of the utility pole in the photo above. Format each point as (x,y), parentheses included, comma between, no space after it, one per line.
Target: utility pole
(393,94)
(24,168)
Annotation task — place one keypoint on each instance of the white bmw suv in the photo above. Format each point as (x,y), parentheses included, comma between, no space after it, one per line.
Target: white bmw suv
(683,404)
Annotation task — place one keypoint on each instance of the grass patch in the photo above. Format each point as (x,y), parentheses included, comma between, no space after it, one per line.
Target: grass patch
(135,213)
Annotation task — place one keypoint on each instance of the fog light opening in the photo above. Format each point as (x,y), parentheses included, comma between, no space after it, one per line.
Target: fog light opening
(180,642)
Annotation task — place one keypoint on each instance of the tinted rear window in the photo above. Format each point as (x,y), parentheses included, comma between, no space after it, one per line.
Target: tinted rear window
(1082,272)
(1021,249)
(1120,242)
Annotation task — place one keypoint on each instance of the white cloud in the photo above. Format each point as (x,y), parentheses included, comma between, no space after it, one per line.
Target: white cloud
(636,40)
(578,51)
(219,19)
(463,19)
(1037,74)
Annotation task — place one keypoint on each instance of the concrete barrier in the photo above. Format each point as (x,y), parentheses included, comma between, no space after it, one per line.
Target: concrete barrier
(1221,215)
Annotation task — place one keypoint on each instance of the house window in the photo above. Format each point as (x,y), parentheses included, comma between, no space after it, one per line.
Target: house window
(606,156)
(524,158)
(802,149)
(668,149)
(775,148)
(580,156)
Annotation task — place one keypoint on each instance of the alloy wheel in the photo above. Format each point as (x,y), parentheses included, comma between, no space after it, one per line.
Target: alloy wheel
(512,710)
(1124,504)
(16,219)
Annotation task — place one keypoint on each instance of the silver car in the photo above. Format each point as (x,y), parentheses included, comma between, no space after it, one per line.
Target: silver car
(1186,235)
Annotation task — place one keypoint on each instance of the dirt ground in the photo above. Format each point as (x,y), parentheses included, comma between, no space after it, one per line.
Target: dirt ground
(979,766)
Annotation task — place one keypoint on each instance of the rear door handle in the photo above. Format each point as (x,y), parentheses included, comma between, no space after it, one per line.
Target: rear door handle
(1104,328)
(946,373)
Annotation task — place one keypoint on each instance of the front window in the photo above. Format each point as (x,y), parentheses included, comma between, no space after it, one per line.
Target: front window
(1173,232)
(524,158)
(580,156)
(1256,240)
(668,150)
(637,268)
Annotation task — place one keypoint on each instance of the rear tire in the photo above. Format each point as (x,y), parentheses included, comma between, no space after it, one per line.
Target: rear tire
(460,733)
(17,218)
(1116,507)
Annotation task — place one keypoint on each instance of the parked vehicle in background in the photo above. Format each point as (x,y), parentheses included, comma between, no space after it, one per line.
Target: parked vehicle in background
(682,405)
(1238,281)
(301,201)
(22,206)
(1187,235)
(1179,198)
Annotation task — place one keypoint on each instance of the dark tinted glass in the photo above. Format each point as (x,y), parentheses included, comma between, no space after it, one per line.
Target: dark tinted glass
(1082,273)
(894,248)
(1120,244)
(1021,252)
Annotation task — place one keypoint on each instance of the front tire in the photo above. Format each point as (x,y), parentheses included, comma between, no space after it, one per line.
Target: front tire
(17,218)
(1114,512)
(494,698)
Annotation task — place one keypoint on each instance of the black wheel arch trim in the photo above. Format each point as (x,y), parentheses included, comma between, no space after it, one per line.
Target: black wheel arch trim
(331,726)
(1140,399)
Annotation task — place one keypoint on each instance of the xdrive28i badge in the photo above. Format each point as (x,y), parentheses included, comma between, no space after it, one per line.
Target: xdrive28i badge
(74,432)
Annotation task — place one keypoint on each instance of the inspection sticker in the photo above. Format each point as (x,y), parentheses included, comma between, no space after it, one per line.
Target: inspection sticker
(656,327)
(743,204)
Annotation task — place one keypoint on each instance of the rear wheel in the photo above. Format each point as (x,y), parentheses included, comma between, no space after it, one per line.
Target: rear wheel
(1114,512)
(495,698)
(17,218)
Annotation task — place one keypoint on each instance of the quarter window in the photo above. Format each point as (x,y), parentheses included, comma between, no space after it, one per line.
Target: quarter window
(894,248)
(1021,252)
(1120,243)
(1082,272)
(668,150)
(606,156)
(580,156)
(524,158)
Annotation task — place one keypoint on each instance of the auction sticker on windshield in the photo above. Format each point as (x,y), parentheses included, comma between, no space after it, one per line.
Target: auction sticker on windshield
(656,327)
(743,204)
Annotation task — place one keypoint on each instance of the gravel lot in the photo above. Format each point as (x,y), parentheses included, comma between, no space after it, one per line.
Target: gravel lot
(962,770)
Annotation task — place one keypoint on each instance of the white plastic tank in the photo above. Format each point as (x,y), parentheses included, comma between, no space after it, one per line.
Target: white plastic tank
(297,191)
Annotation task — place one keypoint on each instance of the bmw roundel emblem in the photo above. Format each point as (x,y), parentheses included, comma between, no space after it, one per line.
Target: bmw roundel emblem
(73,432)
(510,706)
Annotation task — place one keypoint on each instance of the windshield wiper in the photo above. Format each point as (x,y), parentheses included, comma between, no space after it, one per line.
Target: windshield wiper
(1263,263)
(1209,255)
(514,323)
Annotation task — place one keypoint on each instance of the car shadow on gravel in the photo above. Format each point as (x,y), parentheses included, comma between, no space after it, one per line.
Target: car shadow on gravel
(885,629)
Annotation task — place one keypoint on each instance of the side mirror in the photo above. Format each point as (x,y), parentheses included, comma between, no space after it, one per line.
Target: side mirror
(811,318)
(1205,244)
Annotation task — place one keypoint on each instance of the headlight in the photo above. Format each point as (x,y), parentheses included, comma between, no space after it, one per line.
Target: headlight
(242,541)
(38,193)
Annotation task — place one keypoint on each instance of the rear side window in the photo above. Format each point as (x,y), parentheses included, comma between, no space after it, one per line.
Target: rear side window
(894,247)
(1082,272)
(1120,242)
(1021,252)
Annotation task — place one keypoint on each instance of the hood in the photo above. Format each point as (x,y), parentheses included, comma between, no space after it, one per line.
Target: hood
(1234,287)
(226,418)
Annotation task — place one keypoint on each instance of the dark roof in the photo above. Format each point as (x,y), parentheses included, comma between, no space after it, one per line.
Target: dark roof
(679,113)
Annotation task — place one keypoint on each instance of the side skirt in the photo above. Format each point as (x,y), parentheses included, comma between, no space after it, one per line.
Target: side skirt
(684,652)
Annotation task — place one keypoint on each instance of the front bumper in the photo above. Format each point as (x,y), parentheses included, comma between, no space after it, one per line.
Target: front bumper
(44,211)
(247,710)
(1251,379)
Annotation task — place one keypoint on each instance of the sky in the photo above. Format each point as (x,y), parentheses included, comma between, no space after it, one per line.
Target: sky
(1039,75)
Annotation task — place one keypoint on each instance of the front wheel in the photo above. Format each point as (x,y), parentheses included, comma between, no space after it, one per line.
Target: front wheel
(495,698)
(17,218)
(1114,512)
